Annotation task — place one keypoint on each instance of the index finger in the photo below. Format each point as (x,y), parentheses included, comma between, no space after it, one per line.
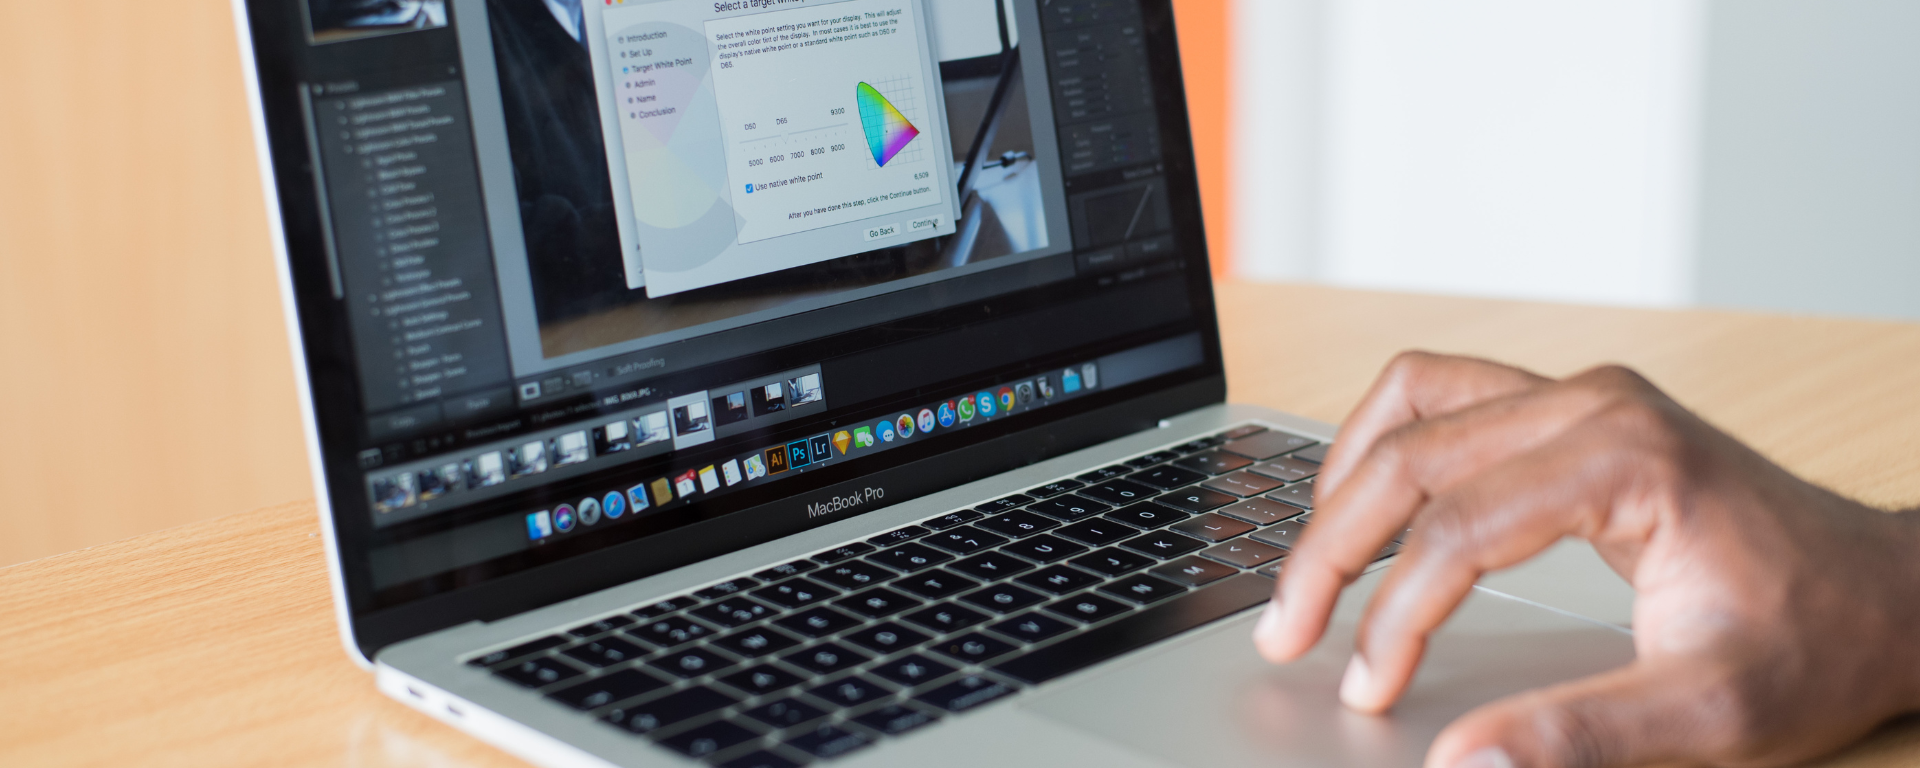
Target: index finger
(1416,386)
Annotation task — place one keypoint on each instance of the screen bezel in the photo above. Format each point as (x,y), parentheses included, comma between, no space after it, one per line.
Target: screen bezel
(325,360)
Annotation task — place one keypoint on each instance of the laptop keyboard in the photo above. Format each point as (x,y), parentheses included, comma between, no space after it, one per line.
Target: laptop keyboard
(816,658)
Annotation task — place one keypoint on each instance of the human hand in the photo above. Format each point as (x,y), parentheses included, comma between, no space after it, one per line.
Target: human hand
(1774,620)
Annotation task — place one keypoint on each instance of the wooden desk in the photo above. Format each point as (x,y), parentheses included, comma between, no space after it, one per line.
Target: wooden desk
(214,643)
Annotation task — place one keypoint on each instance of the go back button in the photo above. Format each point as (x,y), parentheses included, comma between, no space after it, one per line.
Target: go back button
(883,232)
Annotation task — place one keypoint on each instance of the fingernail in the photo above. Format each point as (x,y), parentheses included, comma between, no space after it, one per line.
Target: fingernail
(1269,626)
(1485,757)
(1356,688)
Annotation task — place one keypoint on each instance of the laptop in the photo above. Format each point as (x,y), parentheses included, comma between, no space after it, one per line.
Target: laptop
(773,382)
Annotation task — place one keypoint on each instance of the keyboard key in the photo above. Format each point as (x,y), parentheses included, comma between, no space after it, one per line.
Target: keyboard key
(1287,469)
(607,689)
(670,631)
(964,694)
(704,740)
(1164,545)
(1044,549)
(1147,515)
(1007,504)
(1316,454)
(1141,588)
(952,519)
(1266,445)
(1242,484)
(826,659)
(762,680)
(887,638)
(827,742)
(1403,535)
(1212,528)
(1244,553)
(652,715)
(854,574)
(663,608)
(691,663)
(1196,446)
(732,612)
(1260,511)
(1213,462)
(539,671)
(1168,477)
(1196,499)
(757,642)
(1241,431)
(1017,524)
(760,759)
(838,554)
(794,593)
(1054,488)
(936,585)
(1392,548)
(606,652)
(602,626)
(897,536)
(992,566)
(1069,508)
(878,602)
(1117,492)
(1032,627)
(1003,598)
(727,588)
(913,670)
(1097,532)
(1304,518)
(965,541)
(972,648)
(1087,607)
(1113,562)
(1153,458)
(910,558)
(1208,604)
(1283,535)
(946,618)
(1105,473)
(1059,580)
(849,692)
(1193,571)
(818,623)
(786,713)
(1298,494)
(784,570)
(893,719)
(523,649)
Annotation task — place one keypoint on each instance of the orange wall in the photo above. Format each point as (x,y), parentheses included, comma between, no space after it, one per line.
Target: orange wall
(1206,55)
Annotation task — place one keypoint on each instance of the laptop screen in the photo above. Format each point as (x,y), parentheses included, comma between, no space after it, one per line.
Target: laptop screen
(574,276)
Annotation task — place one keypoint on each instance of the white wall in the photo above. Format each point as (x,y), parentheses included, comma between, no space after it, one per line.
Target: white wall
(1749,153)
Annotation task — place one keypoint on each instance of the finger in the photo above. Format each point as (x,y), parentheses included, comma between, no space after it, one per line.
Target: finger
(1415,386)
(1645,712)
(1495,519)
(1395,478)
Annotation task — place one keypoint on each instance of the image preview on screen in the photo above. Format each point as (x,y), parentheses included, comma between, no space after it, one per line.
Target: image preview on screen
(565,274)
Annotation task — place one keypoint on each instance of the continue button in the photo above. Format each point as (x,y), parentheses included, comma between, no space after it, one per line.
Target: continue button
(883,232)
(921,225)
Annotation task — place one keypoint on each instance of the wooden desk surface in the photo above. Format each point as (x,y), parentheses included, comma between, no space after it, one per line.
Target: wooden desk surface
(214,643)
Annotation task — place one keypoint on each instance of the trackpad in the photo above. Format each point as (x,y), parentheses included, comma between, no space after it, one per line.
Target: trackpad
(1210,700)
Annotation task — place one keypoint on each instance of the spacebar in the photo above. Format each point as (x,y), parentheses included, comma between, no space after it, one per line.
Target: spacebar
(1208,604)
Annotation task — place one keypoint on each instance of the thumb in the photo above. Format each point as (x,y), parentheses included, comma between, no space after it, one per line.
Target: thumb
(1640,713)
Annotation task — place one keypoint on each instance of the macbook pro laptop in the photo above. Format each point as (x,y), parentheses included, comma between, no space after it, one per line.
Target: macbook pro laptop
(769,382)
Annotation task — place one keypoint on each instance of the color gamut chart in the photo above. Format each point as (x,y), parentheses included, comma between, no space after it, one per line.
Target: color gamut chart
(887,130)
